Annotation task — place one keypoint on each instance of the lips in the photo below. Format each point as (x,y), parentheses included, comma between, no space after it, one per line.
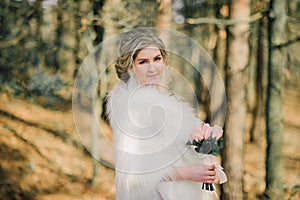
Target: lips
(152,76)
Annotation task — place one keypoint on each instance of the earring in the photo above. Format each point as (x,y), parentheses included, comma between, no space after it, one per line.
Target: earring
(167,78)
(131,73)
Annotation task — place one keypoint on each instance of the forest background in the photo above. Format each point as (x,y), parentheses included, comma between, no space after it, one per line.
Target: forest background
(254,43)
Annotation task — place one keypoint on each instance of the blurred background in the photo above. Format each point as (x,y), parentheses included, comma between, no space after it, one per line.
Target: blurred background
(254,43)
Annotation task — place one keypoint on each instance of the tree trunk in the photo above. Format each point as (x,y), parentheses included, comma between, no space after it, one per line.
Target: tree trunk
(274,100)
(237,60)
(164,20)
(221,46)
(66,34)
(38,32)
(164,15)
(256,131)
(252,75)
(220,52)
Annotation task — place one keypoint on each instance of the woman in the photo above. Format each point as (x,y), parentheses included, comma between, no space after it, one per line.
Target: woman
(151,128)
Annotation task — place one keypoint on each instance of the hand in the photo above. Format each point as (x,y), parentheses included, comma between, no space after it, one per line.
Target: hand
(197,172)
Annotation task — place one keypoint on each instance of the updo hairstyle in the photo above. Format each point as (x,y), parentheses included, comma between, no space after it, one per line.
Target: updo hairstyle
(131,44)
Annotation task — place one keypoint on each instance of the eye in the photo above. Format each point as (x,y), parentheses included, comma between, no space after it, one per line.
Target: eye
(142,62)
(158,58)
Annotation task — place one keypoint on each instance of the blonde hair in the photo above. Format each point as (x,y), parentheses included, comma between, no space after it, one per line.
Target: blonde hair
(132,42)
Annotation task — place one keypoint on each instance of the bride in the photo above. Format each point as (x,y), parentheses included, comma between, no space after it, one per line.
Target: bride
(151,128)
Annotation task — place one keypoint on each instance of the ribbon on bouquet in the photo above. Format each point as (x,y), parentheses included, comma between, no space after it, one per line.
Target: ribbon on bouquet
(220,173)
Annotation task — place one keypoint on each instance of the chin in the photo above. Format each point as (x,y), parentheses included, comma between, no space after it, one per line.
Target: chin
(153,81)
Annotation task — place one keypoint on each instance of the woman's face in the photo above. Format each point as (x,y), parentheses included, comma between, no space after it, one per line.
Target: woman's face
(148,65)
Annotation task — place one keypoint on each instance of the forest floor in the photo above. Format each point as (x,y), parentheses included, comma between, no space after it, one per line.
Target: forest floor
(41,156)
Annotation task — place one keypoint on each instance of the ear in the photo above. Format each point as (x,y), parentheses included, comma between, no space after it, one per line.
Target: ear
(130,68)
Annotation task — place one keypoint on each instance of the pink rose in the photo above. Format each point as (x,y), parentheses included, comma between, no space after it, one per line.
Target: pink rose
(198,133)
(217,132)
(206,130)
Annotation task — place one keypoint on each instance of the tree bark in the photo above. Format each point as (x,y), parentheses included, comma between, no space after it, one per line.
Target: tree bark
(237,60)
(274,99)
(252,92)
(66,34)
(256,131)
(164,15)
(38,32)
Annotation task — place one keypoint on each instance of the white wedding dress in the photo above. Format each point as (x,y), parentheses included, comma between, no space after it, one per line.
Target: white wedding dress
(151,129)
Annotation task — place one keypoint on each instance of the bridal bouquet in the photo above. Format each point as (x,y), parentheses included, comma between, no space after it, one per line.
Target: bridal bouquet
(208,140)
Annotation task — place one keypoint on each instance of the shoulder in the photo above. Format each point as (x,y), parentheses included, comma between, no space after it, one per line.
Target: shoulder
(124,94)
(143,101)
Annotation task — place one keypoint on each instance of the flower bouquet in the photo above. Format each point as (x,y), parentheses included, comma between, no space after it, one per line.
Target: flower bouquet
(208,140)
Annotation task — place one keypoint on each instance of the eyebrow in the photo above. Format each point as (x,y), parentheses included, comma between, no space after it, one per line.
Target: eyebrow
(158,55)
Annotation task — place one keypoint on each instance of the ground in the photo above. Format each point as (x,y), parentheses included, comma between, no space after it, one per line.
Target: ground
(42,157)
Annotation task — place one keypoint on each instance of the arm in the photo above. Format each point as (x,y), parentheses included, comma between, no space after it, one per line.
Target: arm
(197,172)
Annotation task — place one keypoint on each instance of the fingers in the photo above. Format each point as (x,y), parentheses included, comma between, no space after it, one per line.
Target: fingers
(210,174)
(210,179)
(210,170)
(210,167)
(203,173)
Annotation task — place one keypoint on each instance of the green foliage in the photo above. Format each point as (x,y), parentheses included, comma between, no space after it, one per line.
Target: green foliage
(44,85)
(209,146)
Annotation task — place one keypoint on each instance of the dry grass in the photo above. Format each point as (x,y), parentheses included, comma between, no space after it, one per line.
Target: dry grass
(42,157)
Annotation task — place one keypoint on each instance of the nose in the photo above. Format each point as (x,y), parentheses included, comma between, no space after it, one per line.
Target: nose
(151,67)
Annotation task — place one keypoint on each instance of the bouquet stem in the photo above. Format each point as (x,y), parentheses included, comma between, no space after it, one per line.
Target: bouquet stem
(208,186)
